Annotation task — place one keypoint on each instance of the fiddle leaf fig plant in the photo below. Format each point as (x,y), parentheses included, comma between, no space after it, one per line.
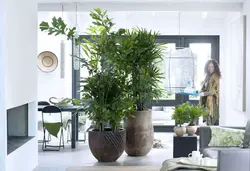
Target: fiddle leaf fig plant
(105,89)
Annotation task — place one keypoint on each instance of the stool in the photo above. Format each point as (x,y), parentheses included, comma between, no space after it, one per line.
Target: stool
(184,145)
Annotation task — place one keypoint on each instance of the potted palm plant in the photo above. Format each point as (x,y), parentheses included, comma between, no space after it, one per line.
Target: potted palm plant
(181,116)
(194,112)
(105,89)
(139,60)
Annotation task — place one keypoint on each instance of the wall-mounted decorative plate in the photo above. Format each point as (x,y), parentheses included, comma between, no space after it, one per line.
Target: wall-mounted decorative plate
(47,61)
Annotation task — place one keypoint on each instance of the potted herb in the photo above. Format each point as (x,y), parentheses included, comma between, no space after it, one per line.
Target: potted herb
(181,116)
(104,91)
(194,112)
(139,60)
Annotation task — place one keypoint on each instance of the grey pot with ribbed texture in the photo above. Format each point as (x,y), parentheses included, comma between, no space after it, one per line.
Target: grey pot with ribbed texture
(139,133)
(107,146)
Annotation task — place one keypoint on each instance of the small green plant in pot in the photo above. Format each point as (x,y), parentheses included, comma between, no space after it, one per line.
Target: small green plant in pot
(181,116)
(194,113)
(104,92)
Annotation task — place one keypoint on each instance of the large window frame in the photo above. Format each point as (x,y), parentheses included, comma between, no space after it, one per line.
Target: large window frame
(180,41)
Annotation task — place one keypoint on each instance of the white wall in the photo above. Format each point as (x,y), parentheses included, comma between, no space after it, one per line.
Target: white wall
(21,50)
(51,84)
(229,114)
(246,11)
(18,44)
(3,125)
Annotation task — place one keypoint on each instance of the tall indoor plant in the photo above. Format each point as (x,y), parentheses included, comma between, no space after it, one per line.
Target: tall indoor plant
(105,88)
(140,62)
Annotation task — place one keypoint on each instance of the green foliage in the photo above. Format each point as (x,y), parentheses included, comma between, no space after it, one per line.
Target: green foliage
(180,114)
(105,88)
(194,112)
(188,113)
(57,27)
(138,57)
(107,99)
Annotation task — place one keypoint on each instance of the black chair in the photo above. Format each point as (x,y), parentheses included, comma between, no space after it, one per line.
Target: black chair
(44,103)
(52,110)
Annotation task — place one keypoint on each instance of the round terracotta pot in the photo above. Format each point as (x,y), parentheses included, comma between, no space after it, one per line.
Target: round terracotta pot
(140,133)
(180,130)
(191,130)
(107,146)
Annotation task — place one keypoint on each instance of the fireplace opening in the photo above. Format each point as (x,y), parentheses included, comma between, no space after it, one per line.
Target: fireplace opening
(17,127)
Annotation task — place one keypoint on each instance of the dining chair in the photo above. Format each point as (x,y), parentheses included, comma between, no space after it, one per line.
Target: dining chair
(43,103)
(53,127)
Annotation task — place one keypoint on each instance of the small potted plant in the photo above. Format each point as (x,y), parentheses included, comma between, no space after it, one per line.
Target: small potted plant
(194,112)
(181,116)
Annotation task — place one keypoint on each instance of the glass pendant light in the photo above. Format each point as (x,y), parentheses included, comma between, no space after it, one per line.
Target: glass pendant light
(180,68)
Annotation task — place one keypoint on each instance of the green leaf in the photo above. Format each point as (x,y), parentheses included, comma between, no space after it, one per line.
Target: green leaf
(44,26)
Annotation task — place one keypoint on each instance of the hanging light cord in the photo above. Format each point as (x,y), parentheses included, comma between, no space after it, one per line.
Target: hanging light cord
(76,14)
(179,19)
(62,10)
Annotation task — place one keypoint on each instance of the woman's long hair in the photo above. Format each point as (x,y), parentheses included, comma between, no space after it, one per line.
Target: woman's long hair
(216,67)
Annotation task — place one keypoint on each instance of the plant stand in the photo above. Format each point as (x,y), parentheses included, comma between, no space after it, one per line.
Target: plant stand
(184,145)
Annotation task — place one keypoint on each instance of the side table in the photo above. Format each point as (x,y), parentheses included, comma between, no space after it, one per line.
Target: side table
(184,145)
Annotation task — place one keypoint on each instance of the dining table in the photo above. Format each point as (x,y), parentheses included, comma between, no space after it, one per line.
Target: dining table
(74,110)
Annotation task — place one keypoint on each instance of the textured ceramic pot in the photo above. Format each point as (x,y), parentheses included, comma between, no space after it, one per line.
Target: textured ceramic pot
(180,130)
(191,130)
(139,133)
(107,146)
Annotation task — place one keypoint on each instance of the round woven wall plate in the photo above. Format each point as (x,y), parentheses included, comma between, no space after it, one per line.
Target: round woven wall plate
(47,61)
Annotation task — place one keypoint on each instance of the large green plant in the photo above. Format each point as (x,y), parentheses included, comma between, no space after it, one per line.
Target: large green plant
(105,88)
(140,54)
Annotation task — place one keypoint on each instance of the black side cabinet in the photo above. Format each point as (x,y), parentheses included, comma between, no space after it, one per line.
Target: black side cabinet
(184,145)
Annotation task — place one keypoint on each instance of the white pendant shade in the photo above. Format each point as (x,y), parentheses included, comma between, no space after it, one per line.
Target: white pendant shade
(180,68)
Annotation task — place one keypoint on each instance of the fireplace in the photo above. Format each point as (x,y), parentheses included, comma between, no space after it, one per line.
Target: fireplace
(17,127)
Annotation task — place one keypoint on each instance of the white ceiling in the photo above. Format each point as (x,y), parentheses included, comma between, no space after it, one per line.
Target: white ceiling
(142,5)
(140,1)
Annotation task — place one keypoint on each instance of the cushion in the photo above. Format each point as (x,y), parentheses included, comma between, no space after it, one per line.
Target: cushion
(246,140)
(226,137)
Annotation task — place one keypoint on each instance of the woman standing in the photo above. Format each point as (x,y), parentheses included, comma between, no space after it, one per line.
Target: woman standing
(210,92)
